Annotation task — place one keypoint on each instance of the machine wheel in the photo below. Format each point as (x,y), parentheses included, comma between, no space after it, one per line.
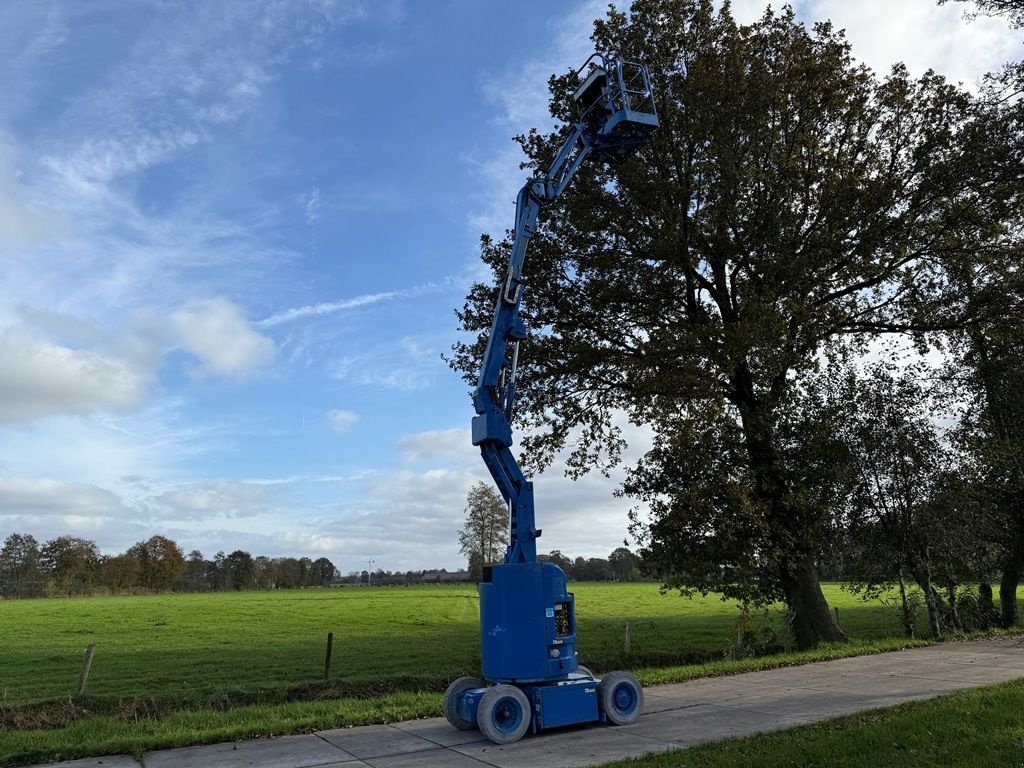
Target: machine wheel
(622,697)
(504,714)
(451,701)
(584,670)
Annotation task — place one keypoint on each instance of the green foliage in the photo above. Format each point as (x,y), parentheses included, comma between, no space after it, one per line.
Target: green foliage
(71,565)
(791,207)
(161,562)
(1011,10)
(484,535)
(20,571)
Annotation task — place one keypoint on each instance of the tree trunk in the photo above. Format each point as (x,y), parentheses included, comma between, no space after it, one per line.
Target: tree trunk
(1008,587)
(922,572)
(987,615)
(797,575)
(812,620)
(908,618)
(954,610)
(931,600)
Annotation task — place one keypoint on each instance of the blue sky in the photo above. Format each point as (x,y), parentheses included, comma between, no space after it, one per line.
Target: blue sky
(232,235)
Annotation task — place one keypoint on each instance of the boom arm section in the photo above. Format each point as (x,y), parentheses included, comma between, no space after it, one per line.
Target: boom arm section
(616,112)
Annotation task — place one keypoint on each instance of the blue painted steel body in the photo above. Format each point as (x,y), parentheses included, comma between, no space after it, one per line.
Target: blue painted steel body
(527,616)
(567,703)
(552,705)
(527,624)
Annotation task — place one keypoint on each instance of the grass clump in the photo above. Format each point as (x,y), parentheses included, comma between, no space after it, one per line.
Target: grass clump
(980,728)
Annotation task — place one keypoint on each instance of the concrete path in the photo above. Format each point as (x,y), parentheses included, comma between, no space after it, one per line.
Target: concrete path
(677,716)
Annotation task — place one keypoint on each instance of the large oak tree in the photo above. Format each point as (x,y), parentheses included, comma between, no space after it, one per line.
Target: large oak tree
(793,205)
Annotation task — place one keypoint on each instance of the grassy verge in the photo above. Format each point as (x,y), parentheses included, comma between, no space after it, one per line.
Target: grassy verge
(682,673)
(981,728)
(107,736)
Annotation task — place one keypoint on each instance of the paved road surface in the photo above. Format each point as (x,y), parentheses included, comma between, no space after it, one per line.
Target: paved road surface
(677,716)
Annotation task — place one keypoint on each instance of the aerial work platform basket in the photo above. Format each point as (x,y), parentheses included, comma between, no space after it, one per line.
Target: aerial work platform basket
(616,103)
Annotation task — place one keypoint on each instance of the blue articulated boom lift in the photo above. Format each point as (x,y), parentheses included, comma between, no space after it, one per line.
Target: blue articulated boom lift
(527,616)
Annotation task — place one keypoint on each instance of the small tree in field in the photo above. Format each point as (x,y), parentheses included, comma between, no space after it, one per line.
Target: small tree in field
(484,536)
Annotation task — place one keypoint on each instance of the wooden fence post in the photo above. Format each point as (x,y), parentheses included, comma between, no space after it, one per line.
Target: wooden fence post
(83,678)
(628,640)
(327,657)
(836,609)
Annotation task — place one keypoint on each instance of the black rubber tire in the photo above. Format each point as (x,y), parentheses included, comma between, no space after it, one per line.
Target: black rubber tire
(584,671)
(504,714)
(622,697)
(451,697)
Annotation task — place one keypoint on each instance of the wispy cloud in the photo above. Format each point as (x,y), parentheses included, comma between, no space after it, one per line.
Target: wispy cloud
(313,206)
(408,364)
(522,104)
(175,79)
(367,299)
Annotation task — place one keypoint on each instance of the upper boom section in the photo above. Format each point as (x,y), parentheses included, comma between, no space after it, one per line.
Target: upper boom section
(616,113)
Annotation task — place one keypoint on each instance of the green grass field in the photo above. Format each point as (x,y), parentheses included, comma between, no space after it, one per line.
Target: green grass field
(179,669)
(191,647)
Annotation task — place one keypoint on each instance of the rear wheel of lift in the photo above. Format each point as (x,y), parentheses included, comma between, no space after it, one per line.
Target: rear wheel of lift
(622,697)
(504,714)
(584,671)
(451,701)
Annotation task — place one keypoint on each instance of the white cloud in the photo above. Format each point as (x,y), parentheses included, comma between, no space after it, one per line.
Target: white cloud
(207,501)
(216,331)
(437,444)
(342,421)
(38,378)
(920,33)
(39,497)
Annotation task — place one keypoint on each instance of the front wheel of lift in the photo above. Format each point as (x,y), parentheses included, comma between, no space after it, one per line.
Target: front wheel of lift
(504,714)
(622,697)
(451,701)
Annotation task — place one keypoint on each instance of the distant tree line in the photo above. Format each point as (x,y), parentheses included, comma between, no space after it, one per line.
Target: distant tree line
(620,565)
(68,565)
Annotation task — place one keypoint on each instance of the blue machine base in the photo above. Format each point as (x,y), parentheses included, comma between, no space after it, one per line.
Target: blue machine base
(554,704)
